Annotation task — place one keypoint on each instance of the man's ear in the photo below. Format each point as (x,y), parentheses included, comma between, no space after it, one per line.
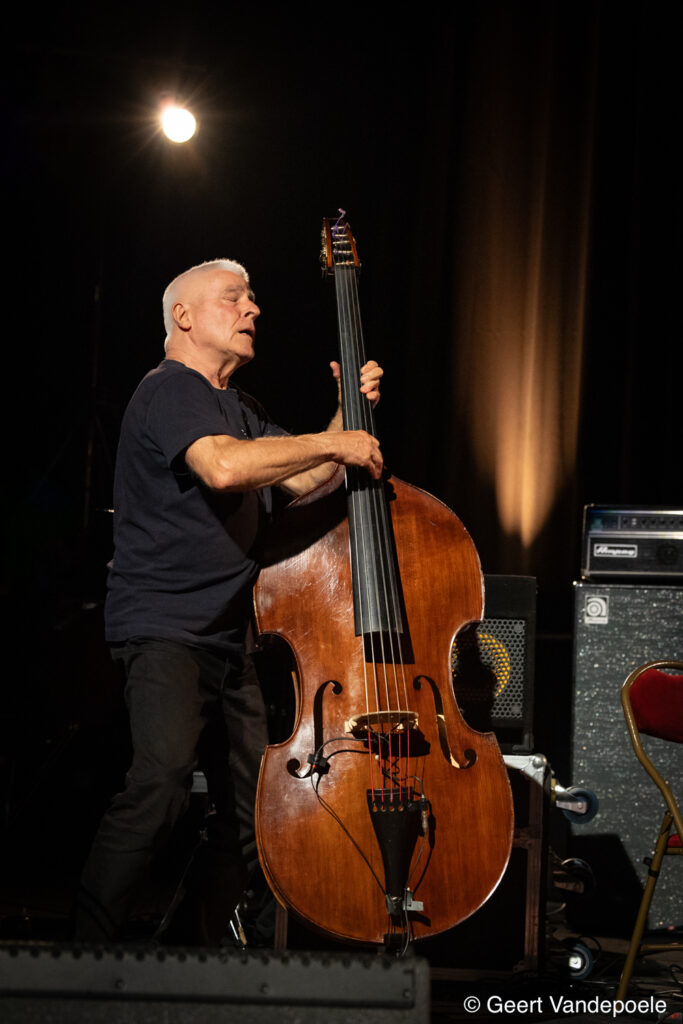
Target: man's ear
(181,316)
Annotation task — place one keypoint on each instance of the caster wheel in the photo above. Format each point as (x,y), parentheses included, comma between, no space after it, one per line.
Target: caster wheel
(581,961)
(592,805)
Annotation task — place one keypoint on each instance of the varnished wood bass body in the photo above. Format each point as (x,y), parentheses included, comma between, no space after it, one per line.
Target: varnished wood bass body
(317,844)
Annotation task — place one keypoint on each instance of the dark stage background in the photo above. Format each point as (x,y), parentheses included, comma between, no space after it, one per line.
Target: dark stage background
(510,173)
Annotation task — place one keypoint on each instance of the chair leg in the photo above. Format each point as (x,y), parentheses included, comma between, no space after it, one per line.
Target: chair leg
(643,911)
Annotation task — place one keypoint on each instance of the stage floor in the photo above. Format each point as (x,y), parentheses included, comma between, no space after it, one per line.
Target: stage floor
(35,916)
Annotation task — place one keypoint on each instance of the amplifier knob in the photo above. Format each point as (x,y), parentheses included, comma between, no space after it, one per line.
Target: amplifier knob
(667,554)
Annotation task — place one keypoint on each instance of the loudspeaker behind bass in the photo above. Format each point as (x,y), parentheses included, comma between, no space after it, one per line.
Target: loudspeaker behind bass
(493,663)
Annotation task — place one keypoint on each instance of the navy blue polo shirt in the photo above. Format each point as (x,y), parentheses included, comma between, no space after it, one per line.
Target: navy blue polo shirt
(185,557)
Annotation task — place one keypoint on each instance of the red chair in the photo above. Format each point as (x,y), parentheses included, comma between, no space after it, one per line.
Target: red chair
(652,699)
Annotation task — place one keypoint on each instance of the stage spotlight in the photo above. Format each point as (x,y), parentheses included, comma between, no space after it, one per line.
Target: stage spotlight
(178,124)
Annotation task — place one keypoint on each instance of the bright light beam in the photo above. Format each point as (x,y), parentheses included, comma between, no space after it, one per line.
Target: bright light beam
(178,124)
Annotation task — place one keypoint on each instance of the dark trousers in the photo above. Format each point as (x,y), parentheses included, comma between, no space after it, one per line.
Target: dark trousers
(186,708)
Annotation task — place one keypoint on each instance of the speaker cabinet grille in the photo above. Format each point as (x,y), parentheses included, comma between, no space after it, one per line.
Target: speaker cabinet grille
(498,647)
(616,628)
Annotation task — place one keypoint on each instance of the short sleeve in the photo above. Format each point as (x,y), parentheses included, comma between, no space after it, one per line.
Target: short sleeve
(182,410)
(258,422)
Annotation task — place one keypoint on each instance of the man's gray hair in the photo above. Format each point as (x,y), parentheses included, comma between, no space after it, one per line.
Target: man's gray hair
(171,293)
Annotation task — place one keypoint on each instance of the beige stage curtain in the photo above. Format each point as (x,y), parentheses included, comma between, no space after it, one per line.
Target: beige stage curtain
(523,240)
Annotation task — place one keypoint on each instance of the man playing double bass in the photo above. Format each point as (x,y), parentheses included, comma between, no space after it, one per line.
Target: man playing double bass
(196,463)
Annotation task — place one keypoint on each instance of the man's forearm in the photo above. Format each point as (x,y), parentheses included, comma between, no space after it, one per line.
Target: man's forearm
(301,483)
(227,464)
(337,422)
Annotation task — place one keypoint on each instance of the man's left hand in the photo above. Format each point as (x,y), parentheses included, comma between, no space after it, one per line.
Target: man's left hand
(370,376)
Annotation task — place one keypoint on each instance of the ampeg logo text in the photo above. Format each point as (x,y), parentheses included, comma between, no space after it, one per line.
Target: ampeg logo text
(596,610)
(615,550)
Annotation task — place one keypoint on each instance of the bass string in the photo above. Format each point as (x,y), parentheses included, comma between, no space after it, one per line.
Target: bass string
(367,499)
(348,420)
(376,498)
(370,513)
(382,532)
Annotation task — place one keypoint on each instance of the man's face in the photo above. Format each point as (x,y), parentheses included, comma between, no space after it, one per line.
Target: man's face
(222,314)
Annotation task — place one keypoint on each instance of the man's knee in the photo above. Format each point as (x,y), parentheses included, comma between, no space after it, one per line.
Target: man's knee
(154,797)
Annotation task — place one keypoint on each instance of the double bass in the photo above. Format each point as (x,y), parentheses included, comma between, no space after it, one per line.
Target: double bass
(384,818)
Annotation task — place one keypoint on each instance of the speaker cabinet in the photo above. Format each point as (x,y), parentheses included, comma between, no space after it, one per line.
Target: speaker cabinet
(88,985)
(493,663)
(616,628)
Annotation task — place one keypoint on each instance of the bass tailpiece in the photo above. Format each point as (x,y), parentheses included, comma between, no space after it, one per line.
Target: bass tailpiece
(397,819)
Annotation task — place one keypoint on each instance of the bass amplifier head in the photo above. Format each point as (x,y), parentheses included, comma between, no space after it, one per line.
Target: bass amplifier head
(632,542)
(493,663)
